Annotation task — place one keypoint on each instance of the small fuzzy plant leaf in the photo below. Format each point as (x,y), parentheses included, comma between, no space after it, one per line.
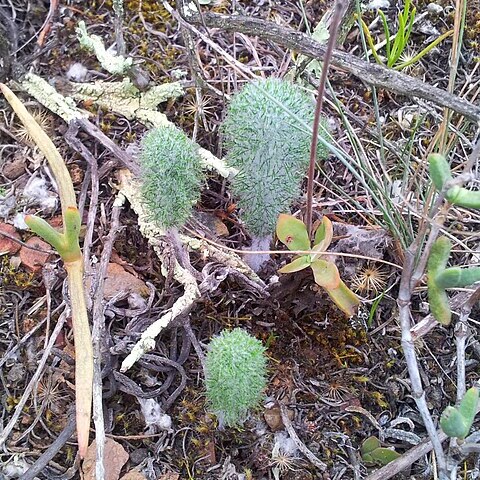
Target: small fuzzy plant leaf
(457,421)
(236,372)
(268,144)
(171,176)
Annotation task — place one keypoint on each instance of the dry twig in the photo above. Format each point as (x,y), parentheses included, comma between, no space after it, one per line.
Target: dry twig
(369,72)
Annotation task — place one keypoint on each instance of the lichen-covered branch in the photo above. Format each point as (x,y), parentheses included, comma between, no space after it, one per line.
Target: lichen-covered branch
(122,98)
(114,64)
(130,188)
(43,92)
(125,99)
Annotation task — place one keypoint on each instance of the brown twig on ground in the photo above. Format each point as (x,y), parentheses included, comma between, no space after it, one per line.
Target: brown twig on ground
(371,73)
(47,25)
(300,445)
(340,7)
(121,155)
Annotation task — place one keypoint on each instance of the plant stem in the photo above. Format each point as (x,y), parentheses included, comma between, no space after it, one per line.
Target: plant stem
(83,353)
(340,6)
(404,299)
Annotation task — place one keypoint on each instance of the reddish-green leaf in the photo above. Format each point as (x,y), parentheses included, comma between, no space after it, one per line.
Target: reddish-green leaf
(323,235)
(326,274)
(344,298)
(297,265)
(292,233)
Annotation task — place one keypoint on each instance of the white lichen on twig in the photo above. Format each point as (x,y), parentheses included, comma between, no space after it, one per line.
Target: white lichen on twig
(46,94)
(131,189)
(112,63)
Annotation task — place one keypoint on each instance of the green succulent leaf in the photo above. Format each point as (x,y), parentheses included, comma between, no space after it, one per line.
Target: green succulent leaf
(439,305)
(292,232)
(439,169)
(369,444)
(344,298)
(67,243)
(372,452)
(453,423)
(296,265)
(235,375)
(171,176)
(463,198)
(456,277)
(73,223)
(323,235)
(438,258)
(469,404)
(384,456)
(269,147)
(437,297)
(43,229)
(325,273)
(457,421)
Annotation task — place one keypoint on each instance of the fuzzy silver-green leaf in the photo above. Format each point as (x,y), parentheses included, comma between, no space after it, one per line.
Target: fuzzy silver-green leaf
(236,372)
(268,144)
(171,176)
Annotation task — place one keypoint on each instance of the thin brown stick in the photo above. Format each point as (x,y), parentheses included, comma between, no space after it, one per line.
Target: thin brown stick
(340,6)
(97,341)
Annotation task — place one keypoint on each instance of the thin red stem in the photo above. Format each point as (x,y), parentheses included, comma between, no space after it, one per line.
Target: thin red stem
(336,20)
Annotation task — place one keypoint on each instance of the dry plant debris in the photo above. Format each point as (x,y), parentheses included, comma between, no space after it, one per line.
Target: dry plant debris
(333,382)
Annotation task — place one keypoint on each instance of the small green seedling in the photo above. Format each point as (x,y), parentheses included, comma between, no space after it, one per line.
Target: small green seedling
(440,173)
(373,453)
(440,278)
(396,48)
(293,233)
(236,372)
(171,176)
(457,421)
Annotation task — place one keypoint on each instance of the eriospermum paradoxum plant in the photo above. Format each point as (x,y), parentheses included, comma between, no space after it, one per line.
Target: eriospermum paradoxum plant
(171,176)
(236,372)
(268,137)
